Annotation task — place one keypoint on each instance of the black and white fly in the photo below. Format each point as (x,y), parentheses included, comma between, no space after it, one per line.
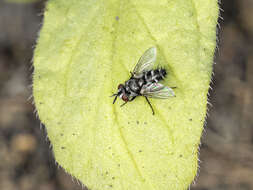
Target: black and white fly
(144,81)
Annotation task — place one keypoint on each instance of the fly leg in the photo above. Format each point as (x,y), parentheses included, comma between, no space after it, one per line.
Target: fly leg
(128,101)
(123,104)
(150,105)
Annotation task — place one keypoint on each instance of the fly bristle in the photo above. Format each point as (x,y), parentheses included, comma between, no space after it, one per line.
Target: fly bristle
(163,72)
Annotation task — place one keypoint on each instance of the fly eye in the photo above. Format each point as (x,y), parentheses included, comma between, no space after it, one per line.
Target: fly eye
(120,86)
(125,98)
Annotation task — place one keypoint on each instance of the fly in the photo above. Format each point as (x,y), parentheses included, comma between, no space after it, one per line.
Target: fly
(144,81)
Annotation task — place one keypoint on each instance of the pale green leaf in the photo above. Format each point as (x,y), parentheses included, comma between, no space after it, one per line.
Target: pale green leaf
(85,49)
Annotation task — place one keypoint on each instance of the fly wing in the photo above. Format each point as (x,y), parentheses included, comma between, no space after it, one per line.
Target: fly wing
(157,90)
(146,62)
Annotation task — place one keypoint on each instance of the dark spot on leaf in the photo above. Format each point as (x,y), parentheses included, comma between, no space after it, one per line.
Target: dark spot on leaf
(180,155)
(113,154)
(62,147)
(137,122)
(140,150)
(128,122)
(106,172)
(41,103)
(117,18)
(109,147)
(59,123)
(118,165)
(110,185)
(190,119)
(73,134)
(113,178)
(61,134)
(145,123)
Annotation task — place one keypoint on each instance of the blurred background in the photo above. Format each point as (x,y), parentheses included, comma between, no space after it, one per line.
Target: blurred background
(26,161)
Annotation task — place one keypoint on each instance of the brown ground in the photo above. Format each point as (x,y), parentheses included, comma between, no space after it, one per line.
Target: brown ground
(227,145)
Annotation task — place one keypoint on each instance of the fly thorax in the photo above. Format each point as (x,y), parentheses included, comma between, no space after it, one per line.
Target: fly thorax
(133,85)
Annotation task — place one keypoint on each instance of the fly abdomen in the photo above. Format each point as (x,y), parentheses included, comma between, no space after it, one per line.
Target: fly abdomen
(155,75)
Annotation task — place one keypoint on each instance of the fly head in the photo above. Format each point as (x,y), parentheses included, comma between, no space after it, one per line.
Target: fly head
(121,93)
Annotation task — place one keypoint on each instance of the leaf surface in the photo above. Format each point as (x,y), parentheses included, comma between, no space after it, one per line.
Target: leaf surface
(85,49)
